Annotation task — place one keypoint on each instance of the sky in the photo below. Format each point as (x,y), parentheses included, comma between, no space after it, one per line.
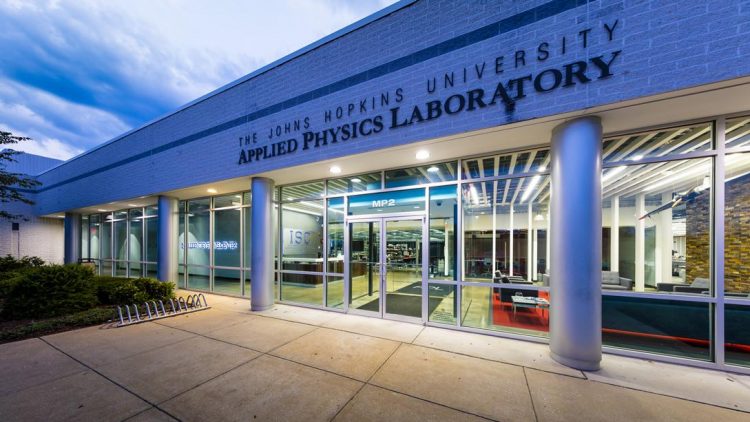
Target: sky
(76,73)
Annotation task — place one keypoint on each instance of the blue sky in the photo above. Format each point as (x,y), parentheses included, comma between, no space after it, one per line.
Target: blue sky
(74,74)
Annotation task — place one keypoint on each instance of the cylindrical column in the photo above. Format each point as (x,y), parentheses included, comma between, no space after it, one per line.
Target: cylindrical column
(261,271)
(167,240)
(576,236)
(72,238)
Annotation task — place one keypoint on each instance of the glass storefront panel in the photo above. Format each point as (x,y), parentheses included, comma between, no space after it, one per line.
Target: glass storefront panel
(198,278)
(198,233)
(661,143)
(121,268)
(737,334)
(94,232)
(335,235)
(247,245)
(443,227)
(656,222)
(506,164)
(106,235)
(519,310)
(228,201)
(135,213)
(152,210)
(152,227)
(302,236)
(661,326)
(181,276)
(312,190)
(248,290)
(412,200)
(85,237)
(227,281)
(302,288)
(135,240)
(335,292)
(737,225)
(478,235)
(352,184)
(441,303)
(151,272)
(121,240)
(106,267)
(227,237)
(428,173)
(737,132)
(135,270)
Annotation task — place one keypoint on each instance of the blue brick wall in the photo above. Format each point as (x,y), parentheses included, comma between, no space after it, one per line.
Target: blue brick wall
(665,45)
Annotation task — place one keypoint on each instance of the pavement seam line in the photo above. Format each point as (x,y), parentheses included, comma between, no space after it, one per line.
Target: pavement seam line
(531,397)
(142,412)
(112,381)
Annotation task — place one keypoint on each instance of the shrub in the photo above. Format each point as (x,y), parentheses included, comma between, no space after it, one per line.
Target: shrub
(125,291)
(50,291)
(8,263)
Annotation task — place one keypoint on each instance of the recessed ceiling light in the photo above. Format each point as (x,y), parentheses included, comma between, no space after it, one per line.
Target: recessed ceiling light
(101,210)
(423,154)
(416,207)
(211,190)
(290,198)
(433,169)
(335,169)
(238,196)
(637,157)
(133,205)
(356,180)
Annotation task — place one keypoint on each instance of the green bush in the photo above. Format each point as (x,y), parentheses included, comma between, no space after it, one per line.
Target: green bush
(51,291)
(126,291)
(8,263)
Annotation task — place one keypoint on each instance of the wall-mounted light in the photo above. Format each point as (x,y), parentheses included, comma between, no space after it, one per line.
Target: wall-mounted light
(356,180)
(433,169)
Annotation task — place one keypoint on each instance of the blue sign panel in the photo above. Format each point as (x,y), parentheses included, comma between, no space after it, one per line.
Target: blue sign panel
(387,202)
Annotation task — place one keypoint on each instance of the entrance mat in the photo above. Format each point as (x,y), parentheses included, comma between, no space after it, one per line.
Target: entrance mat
(436,290)
(406,305)
(525,318)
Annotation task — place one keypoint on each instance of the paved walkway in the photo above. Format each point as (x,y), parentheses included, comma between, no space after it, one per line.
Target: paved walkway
(292,363)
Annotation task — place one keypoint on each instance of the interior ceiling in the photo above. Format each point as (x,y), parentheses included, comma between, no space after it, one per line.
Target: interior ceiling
(690,104)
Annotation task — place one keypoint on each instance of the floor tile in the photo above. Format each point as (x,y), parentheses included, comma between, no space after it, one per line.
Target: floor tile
(516,352)
(268,388)
(260,333)
(716,387)
(96,346)
(486,388)
(30,362)
(85,396)
(377,404)
(163,373)
(561,398)
(204,322)
(392,330)
(352,355)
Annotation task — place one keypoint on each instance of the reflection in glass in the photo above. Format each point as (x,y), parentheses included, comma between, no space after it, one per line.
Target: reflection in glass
(302,288)
(661,143)
(135,240)
(198,242)
(336,236)
(312,190)
(506,164)
(198,278)
(443,213)
(737,334)
(350,184)
(302,236)
(226,242)
(85,237)
(227,281)
(441,303)
(656,222)
(364,265)
(515,309)
(106,235)
(658,326)
(428,173)
(152,227)
(94,231)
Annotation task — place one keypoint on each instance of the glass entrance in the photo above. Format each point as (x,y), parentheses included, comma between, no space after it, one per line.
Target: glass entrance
(386,267)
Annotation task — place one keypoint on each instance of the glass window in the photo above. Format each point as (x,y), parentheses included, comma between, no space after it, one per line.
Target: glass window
(228,201)
(412,200)
(737,337)
(335,292)
(135,240)
(657,326)
(227,237)
(227,281)
(198,278)
(521,310)
(478,230)
(106,268)
(120,215)
(152,210)
(661,143)
(198,232)
(94,231)
(247,197)
(136,213)
(428,173)
(443,213)
(121,240)
(85,237)
(247,212)
(302,236)
(106,235)
(506,164)
(441,304)
(737,226)
(360,183)
(152,227)
(302,288)
(304,191)
(737,132)
(658,218)
(336,235)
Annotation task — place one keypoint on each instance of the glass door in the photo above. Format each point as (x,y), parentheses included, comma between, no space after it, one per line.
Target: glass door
(386,267)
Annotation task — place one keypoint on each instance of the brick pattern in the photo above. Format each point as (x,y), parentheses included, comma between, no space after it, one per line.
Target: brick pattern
(736,236)
(698,238)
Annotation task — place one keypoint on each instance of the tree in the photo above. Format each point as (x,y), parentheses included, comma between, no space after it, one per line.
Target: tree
(10,183)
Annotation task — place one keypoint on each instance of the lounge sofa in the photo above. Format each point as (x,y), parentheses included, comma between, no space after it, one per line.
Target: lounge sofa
(611,280)
(698,286)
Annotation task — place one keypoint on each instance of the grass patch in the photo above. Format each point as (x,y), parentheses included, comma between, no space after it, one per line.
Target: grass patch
(27,328)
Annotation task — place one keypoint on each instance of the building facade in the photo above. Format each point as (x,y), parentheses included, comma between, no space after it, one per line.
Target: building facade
(565,171)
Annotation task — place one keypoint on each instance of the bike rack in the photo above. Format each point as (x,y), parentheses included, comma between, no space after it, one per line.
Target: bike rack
(154,310)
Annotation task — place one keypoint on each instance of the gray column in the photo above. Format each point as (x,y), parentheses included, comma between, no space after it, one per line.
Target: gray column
(167,240)
(576,236)
(72,238)
(261,260)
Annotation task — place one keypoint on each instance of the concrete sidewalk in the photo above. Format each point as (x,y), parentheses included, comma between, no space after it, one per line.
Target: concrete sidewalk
(293,363)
